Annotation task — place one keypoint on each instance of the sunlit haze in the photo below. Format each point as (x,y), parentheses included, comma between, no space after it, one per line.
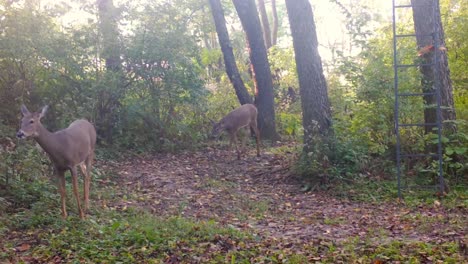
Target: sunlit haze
(330,21)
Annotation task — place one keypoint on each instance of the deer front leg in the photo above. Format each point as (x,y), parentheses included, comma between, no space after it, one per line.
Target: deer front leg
(257,137)
(62,190)
(245,134)
(234,141)
(75,190)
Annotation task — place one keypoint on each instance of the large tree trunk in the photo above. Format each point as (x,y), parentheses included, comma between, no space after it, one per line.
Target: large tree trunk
(274,33)
(265,23)
(313,87)
(226,47)
(250,21)
(425,22)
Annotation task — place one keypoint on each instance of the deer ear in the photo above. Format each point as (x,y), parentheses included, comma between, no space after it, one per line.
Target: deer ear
(24,110)
(43,111)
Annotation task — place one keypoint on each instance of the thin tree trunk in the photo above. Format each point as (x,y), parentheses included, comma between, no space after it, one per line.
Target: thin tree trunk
(274,33)
(425,22)
(265,23)
(250,21)
(313,87)
(229,59)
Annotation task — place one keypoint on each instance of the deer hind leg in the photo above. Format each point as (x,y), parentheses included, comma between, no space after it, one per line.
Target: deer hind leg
(74,174)
(63,192)
(86,169)
(85,172)
(254,127)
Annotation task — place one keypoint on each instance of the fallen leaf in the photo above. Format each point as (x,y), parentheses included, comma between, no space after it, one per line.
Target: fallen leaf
(23,247)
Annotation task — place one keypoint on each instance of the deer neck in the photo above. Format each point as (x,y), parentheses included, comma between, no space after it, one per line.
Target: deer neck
(47,140)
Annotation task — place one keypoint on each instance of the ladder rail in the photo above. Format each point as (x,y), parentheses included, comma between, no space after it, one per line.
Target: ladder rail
(397,101)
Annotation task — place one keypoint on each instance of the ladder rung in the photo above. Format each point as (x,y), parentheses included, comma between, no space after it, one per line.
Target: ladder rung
(417,124)
(414,65)
(418,155)
(415,94)
(421,187)
(409,5)
(412,35)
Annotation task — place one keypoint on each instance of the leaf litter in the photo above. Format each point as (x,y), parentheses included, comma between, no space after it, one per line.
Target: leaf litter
(260,196)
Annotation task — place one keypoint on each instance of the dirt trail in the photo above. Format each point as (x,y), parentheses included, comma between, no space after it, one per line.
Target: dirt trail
(257,195)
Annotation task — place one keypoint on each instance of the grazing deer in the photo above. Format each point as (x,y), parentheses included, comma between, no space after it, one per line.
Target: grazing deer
(241,117)
(66,148)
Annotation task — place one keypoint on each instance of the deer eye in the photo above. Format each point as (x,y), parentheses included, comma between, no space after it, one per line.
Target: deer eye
(31,121)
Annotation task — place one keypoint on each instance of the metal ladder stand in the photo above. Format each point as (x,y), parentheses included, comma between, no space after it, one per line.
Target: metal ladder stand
(396,67)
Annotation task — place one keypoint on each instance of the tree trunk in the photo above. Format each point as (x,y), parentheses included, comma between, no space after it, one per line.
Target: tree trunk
(425,22)
(265,23)
(110,34)
(250,21)
(229,59)
(274,35)
(313,87)
(108,99)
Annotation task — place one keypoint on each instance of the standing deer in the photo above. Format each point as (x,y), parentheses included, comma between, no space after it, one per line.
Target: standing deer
(66,148)
(241,117)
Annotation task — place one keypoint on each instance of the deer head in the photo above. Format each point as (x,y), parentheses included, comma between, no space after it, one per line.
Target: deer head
(30,122)
(217,129)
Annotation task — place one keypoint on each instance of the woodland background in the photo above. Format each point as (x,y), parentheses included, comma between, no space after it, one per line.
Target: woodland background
(150,75)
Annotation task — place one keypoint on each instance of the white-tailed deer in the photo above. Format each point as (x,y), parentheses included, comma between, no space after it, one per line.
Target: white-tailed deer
(66,148)
(243,116)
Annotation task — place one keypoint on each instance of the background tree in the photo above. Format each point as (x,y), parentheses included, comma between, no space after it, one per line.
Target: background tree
(110,93)
(264,100)
(274,32)
(265,24)
(316,114)
(426,21)
(226,47)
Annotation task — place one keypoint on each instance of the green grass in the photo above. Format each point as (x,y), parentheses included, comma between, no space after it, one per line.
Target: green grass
(372,191)
(111,236)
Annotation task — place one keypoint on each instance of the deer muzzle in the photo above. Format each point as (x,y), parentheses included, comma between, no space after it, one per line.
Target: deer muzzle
(20,134)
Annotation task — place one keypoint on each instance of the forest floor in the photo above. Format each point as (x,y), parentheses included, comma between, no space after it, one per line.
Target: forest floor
(259,195)
(255,196)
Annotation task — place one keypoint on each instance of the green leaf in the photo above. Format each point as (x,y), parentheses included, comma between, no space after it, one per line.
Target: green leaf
(460,150)
(449,151)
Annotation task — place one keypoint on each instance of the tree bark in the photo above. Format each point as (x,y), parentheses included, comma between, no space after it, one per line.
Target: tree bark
(250,21)
(313,87)
(274,33)
(229,59)
(265,23)
(426,21)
